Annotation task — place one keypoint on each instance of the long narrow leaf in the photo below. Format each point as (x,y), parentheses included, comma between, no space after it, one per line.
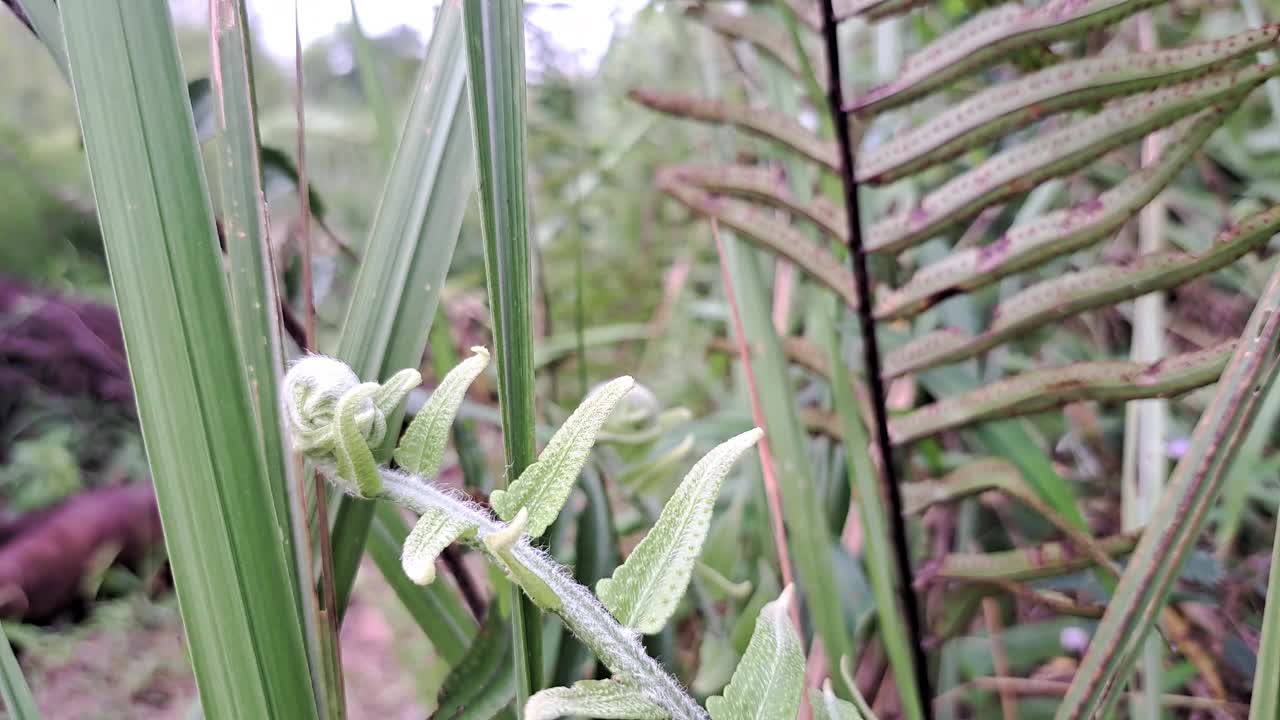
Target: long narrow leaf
(495,57)
(1265,701)
(407,256)
(1193,487)
(194,404)
(1039,390)
(875,528)
(18,701)
(255,301)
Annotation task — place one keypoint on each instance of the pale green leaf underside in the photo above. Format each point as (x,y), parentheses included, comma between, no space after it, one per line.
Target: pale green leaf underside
(770,678)
(544,486)
(423,444)
(434,532)
(644,591)
(593,699)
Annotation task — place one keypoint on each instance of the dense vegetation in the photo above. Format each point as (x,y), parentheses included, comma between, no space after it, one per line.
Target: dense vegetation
(995,283)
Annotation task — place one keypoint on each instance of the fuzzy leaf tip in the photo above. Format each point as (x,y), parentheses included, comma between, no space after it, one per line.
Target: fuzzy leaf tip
(544,486)
(429,537)
(769,680)
(422,447)
(644,591)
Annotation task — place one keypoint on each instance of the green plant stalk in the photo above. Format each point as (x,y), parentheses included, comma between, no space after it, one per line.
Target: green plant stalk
(1193,488)
(616,646)
(1264,704)
(237,599)
(787,440)
(374,94)
(875,527)
(255,301)
(18,701)
(403,267)
(495,58)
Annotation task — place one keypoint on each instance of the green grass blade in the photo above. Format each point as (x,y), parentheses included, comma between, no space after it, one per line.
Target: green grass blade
(435,607)
(411,243)
(1265,702)
(495,56)
(1192,489)
(789,445)
(371,85)
(18,701)
(229,568)
(43,15)
(875,527)
(255,302)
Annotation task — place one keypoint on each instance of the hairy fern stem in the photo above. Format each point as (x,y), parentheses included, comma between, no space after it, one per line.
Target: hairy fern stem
(617,647)
(871,353)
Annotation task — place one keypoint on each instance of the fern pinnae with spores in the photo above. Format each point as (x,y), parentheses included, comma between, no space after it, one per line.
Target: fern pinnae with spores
(644,590)
(988,38)
(1054,234)
(1001,109)
(1073,293)
(764,122)
(1056,153)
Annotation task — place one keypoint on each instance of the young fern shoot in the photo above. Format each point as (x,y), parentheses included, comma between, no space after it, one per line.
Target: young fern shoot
(335,420)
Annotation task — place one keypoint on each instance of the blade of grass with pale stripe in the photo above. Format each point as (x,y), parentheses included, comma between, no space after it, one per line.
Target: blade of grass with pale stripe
(875,527)
(194,402)
(255,302)
(495,57)
(411,243)
(788,442)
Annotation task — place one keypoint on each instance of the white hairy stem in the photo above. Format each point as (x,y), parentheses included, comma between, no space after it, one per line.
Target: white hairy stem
(617,647)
